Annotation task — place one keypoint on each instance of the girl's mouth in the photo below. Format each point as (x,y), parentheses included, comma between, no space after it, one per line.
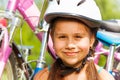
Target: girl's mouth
(70,53)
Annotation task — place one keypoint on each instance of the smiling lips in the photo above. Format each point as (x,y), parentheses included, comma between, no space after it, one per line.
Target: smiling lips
(70,53)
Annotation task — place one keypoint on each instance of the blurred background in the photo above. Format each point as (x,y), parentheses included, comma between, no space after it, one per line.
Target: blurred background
(109,9)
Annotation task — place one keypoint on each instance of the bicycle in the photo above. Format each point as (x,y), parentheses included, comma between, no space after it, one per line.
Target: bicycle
(6,40)
(40,28)
(109,37)
(14,64)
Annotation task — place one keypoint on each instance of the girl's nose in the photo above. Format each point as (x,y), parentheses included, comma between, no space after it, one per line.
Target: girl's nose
(70,44)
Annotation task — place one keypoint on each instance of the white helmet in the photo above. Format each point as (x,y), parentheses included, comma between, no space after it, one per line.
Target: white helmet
(84,10)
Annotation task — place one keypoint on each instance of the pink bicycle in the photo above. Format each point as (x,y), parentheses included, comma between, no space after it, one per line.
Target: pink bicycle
(10,55)
(16,68)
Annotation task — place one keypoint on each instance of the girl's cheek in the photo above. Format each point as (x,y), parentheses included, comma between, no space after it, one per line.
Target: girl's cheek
(58,44)
(83,44)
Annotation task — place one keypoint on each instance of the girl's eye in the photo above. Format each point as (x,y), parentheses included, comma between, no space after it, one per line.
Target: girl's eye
(62,37)
(78,37)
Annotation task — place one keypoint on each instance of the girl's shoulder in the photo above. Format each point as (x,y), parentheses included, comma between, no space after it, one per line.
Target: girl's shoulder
(42,75)
(104,74)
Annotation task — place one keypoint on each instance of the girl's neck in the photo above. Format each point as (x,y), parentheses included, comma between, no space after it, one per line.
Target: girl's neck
(77,76)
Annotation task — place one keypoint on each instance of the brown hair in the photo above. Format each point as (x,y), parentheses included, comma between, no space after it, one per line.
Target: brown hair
(91,71)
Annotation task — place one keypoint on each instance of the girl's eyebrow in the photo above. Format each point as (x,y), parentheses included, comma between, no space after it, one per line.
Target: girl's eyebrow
(73,34)
(59,33)
(83,34)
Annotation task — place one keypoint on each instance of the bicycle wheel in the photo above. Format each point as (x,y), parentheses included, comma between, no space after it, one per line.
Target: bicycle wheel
(12,70)
(9,72)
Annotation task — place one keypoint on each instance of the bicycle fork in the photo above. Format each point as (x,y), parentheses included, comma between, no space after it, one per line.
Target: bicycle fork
(110,59)
(41,61)
(5,49)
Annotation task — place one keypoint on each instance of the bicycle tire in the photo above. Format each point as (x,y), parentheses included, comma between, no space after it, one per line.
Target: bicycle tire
(12,70)
(9,72)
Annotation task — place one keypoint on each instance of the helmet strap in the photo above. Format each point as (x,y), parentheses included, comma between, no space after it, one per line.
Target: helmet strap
(66,70)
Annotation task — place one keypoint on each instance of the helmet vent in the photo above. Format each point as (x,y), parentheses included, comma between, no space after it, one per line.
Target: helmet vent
(58,2)
(82,1)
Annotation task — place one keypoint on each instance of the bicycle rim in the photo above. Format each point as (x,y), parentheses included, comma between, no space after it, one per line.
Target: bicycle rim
(8,72)
(12,70)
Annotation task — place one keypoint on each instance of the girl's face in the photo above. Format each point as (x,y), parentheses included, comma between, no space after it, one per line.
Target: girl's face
(71,41)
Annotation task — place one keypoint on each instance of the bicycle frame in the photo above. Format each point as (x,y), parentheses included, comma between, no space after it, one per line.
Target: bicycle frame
(25,7)
(101,50)
(110,39)
(5,50)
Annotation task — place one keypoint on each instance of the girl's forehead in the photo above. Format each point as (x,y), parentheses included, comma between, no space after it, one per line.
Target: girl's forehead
(57,25)
(70,25)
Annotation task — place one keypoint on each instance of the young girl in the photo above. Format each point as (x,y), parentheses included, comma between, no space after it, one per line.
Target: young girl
(73,30)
